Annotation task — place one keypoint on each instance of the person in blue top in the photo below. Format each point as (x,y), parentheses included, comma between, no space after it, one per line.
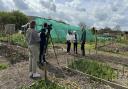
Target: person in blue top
(83,40)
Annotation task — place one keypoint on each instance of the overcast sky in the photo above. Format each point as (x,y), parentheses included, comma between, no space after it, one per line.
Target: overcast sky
(99,13)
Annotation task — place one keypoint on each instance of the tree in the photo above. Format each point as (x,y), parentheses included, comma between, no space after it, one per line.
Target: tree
(15,17)
(20,19)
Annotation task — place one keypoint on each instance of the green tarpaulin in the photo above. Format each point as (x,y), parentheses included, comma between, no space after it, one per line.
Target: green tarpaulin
(60,30)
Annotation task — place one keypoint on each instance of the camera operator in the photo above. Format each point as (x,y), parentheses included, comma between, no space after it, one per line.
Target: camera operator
(44,36)
(43,41)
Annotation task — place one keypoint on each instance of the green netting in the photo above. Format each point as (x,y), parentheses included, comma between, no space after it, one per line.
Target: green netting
(60,30)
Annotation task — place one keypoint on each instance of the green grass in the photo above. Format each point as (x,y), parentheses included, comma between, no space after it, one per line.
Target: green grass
(2,35)
(3,66)
(16,39)
(87,45)
(41,84)
(19,39)
(123,41)
(94,68)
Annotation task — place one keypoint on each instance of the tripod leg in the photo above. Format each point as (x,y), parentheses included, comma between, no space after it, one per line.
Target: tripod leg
(54,49)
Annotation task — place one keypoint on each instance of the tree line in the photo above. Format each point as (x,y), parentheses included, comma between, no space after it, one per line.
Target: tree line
(15,17)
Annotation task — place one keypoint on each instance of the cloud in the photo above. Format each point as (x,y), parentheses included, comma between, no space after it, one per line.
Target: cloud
(6,5)
(99,13)
(81,9)
(20,4)
(2,7)
(48,4)
(53,7)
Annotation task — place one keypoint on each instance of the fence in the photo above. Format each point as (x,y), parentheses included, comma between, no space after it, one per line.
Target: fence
(7,28)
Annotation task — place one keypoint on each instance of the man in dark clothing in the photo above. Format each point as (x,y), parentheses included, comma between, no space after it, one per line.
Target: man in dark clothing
(83,40)
(43,41)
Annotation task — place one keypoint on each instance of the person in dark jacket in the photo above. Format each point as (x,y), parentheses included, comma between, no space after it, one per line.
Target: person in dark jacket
(83,40)
(43,41)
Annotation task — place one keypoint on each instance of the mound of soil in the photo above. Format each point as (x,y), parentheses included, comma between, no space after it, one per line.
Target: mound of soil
(12,53)
(116,48)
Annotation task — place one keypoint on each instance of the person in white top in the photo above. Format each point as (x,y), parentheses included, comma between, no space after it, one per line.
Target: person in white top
(68,38)
(75,41)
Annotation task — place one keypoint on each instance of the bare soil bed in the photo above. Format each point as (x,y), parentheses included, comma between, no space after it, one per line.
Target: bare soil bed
(17,74)
(115,48)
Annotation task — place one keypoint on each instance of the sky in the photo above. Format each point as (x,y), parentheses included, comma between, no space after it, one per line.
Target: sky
(98,13)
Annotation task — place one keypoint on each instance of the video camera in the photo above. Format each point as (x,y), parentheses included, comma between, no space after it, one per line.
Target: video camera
(49,27)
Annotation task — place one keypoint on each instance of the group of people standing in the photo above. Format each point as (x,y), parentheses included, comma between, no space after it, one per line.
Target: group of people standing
(72,37)
(37,45)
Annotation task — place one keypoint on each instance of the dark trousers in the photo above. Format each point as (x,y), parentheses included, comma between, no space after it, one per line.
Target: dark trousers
(68,46)
(75,47)
(42,53)
(83,48)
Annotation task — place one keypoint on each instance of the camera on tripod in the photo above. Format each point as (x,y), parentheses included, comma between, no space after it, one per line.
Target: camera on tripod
(49,27)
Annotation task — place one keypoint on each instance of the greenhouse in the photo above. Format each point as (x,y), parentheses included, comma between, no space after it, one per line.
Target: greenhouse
(60,29)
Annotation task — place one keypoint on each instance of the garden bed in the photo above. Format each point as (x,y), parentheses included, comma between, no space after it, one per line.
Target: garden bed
(83,81)
(13,54)
(15,39)
(115,48)
(42,84)
(94,68)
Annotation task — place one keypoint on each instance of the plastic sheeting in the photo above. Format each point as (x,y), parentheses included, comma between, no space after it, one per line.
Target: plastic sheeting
(59,30)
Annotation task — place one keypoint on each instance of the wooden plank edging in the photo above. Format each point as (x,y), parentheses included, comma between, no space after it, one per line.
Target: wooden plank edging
(112,84)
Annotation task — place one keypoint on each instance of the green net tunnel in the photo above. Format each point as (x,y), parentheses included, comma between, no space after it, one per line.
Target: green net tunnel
(59,30)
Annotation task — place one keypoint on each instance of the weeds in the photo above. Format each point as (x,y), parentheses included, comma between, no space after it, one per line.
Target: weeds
(3,66)
(41,84)
(16,39)
(94,68)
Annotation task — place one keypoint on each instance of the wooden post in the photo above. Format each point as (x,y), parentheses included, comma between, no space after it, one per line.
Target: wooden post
(74,63)
(117,73)
(45,71)
(89,51)
(96,41)
(67,62)
(123,71)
